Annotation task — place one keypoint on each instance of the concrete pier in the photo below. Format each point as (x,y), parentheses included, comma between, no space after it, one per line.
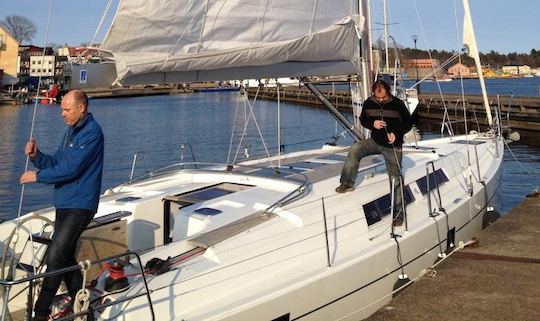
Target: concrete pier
(497,279)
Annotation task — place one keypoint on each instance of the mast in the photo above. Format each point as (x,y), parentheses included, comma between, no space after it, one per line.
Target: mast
(385,37)
(366,50)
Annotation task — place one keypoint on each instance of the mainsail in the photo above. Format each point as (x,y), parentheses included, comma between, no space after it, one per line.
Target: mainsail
(174,41)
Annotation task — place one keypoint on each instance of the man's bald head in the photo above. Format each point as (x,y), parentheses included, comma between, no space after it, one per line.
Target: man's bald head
(74,106)
(78,96)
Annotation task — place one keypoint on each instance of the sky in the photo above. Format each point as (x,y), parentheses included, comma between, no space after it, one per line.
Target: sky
(501,25)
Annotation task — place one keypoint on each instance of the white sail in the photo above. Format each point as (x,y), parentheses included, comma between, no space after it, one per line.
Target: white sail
(469,40)
(172,41)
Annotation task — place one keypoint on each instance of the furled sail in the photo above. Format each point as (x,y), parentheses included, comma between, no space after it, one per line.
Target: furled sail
(469,41)
(163,41)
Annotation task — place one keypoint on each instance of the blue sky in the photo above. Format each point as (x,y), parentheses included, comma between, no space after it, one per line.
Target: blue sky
(501,25)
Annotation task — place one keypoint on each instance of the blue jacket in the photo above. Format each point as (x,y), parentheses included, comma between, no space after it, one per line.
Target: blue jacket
(76,167)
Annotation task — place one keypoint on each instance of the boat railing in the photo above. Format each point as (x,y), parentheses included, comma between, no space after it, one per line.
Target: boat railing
(283,173)
(6,285)
(134,162)
(182,151)
(183,148)
(431,169)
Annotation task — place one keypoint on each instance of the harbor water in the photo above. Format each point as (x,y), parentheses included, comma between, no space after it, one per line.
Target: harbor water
(164,127)
(522,87)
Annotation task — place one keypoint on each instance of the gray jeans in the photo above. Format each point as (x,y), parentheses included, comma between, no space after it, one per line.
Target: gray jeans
(368,147)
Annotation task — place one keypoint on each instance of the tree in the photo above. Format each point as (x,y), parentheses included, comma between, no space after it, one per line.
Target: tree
(21,28)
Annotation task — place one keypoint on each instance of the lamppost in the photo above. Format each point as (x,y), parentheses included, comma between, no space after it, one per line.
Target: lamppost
(415,39)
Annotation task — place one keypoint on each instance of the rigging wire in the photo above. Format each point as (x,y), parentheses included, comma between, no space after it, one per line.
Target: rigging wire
(252,114)
(234,122)
(278,123)
(469,178)
(26,165)
(34,112)
(103,16)
(445,115)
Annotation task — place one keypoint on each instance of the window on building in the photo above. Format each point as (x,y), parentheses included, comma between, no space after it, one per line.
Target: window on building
(33,62)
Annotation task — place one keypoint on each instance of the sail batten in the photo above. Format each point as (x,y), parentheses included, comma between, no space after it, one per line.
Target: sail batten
(251,36)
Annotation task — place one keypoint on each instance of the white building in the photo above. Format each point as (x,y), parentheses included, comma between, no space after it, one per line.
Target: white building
(517,70)
(43,66)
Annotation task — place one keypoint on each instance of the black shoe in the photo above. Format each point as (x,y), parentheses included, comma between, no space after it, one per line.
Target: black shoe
(342,188)
(398,221)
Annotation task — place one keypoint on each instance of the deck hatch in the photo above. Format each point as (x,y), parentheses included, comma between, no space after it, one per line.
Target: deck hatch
(172,203)
(307,165)
(212,192)
(128,199)
(435,179)
(470,142)
(381,207)
(207,211)
(336,157)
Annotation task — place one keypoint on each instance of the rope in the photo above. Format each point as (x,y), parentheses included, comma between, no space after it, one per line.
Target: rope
(517,160)
(82,299)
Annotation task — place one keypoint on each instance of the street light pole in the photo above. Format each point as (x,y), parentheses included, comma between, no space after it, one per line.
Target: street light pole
(415,39)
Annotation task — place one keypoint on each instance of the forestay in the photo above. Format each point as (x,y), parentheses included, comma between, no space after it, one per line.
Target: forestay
(183,40)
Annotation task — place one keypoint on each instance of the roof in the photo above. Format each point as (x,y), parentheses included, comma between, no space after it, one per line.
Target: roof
(82,51)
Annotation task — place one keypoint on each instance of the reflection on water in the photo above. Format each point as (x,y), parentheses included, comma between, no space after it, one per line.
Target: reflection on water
(160,125)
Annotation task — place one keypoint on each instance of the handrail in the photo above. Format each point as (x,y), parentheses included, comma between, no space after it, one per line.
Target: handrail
(182,147)
(135,155)
(29,279)
(432,164)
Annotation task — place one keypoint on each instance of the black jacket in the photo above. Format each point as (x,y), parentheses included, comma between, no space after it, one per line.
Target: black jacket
(393,112)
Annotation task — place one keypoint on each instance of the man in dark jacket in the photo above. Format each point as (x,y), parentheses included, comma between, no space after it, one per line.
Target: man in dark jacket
(75,169)
(388,119)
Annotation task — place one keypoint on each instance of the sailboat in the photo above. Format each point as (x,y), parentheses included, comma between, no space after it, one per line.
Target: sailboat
(265,238)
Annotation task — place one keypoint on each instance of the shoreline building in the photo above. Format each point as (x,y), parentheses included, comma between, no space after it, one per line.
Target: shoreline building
(459,70)
(9,51)
(418,68)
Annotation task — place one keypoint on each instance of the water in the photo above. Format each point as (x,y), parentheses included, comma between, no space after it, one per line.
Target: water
(158,125)
(517,87)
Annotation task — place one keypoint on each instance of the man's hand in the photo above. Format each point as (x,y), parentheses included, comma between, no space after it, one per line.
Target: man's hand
(28,177)
(31,148)
(391,138)
(379,124)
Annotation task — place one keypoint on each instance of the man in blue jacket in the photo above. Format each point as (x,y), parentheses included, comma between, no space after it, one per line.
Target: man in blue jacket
(389,120)
(75,169)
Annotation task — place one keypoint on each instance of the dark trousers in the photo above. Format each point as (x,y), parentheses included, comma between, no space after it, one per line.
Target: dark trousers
(68,227)
(392,157)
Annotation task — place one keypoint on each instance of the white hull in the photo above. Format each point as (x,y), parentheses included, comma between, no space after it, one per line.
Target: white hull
(277,267)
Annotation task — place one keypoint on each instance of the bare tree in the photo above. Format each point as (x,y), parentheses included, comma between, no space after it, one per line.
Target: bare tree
(21,28)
